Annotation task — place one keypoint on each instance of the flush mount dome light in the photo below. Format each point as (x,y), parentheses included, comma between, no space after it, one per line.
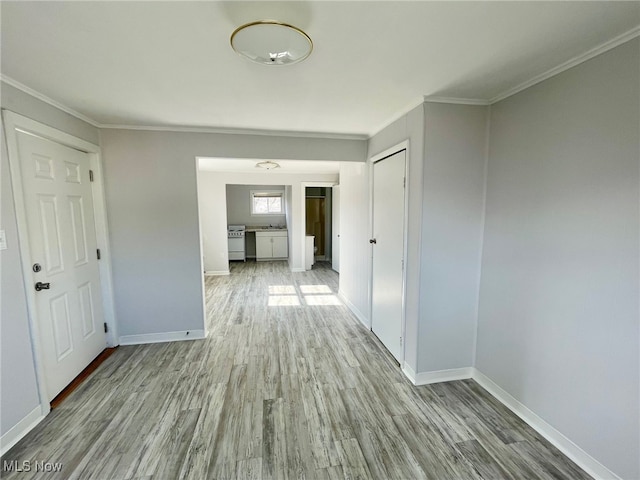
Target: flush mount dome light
(269,165)
(271,43)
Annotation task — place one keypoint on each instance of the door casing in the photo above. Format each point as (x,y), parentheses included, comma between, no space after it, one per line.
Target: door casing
(372,160)
(12,123)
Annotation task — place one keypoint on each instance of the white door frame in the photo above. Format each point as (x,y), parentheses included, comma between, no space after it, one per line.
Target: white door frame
(14,123)
(303,203)
(372,160)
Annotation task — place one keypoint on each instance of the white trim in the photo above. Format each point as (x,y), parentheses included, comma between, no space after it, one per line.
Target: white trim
(456,100)
(556,438)
(13,123)
(297,270)
(397,116)
(409,372)
(404,145)
(162,337)
(438,376)
(20,429)
(215,273)
(572,62)
(358,314)
(102,238)
(45,99)
(267,193)
(203,292)
(303,210)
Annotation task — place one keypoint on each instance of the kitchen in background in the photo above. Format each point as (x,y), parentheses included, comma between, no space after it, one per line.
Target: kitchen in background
(256,213)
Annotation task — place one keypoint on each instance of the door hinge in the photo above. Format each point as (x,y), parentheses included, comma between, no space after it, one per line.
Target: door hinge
(98,253)
(91,175)
(404,181)
(400,339)
(106,327)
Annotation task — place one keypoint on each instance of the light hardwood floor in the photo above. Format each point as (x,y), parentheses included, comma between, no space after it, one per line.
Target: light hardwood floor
(288,384)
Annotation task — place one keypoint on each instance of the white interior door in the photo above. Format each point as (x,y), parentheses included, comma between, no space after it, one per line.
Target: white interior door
(62,239)
(388,251)
(335,228)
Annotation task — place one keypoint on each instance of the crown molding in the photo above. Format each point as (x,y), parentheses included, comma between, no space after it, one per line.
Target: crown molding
(456,100)
(45,99)
(238,131)
(578,59)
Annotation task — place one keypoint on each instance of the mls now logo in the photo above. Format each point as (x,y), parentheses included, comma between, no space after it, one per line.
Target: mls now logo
(29,466)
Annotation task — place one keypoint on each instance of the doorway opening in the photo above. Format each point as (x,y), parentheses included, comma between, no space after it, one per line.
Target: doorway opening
(318,221)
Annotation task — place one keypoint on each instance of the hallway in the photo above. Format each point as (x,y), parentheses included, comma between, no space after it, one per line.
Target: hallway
(288,384)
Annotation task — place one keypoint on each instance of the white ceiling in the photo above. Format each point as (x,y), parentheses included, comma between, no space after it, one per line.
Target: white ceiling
(237,165)
(170,63)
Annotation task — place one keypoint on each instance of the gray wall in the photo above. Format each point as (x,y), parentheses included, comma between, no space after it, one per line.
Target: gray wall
(455,141)
(239,206)
(447,152)
(409,127)
(18,388)
(558,320)
(151,193)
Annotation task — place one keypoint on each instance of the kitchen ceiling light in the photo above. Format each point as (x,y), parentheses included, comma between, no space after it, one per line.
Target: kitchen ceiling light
(271,43)
(269,165)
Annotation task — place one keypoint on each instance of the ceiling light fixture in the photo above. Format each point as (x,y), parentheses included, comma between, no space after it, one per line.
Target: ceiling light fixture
(271,43)
(269,165)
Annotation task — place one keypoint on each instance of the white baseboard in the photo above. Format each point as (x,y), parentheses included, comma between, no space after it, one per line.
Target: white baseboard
(359,315)
(212,273)
(20,429)
(425,378)
(297,270)
(556,438)
(162,337)
(409,372)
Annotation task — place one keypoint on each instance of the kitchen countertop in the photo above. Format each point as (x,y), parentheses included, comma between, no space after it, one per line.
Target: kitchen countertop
(266,229)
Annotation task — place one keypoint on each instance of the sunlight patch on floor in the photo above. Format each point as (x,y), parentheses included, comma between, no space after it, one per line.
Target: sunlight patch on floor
(312,295)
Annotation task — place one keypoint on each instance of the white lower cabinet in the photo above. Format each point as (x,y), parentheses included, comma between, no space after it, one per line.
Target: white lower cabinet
(272,245)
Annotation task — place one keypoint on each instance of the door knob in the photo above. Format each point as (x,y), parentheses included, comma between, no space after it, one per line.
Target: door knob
(372,240)
(42,286)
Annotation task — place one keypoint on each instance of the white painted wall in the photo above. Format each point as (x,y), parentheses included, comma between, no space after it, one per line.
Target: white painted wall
(213,216)
(559,319)
(288,193)
(18,387)
(409,127)
(452,212)
(355,259)
(152,202)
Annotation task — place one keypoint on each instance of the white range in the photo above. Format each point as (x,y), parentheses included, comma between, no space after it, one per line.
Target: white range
(235,235)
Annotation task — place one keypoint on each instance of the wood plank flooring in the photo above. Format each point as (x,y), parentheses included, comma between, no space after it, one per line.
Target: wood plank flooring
(287,385)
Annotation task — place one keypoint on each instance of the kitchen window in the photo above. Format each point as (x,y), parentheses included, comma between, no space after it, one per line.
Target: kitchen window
(267,203)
